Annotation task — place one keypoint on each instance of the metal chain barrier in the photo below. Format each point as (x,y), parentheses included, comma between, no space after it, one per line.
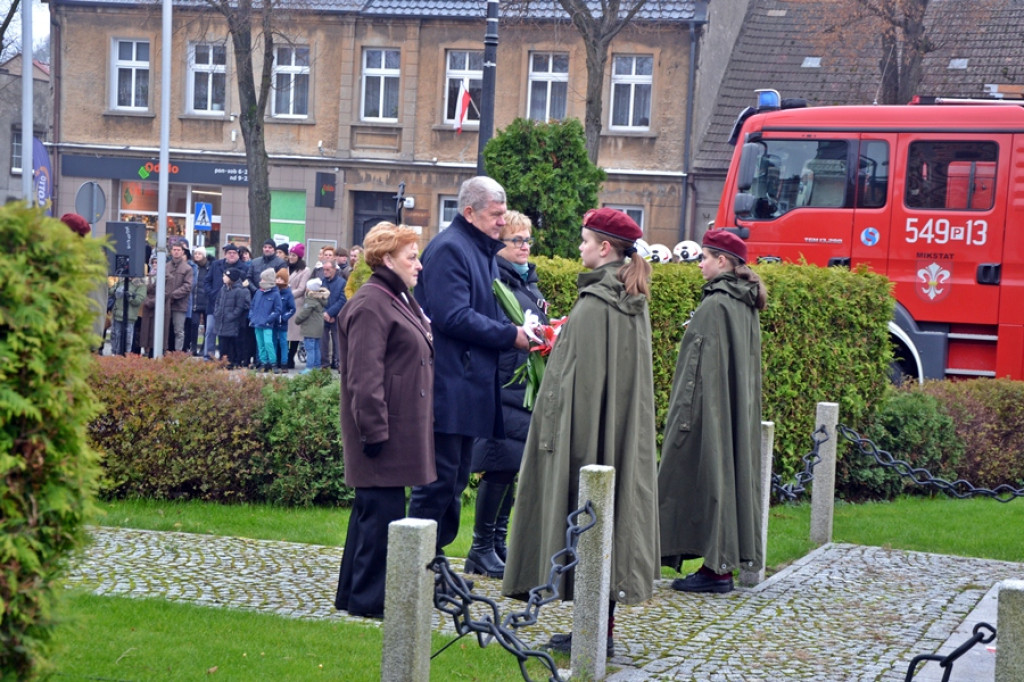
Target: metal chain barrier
(453,597)
(959,488)
(946,662)
(792,491)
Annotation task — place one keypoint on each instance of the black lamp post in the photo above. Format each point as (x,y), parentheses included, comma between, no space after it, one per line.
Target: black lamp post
(487,94)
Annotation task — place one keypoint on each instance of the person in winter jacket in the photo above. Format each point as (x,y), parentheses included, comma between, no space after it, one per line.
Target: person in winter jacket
(214,284)
(311,321)
(595,405)
(136,296)
(497,459)
(281,326)
(709,483)
(264,314)
(298,275)
(232,313)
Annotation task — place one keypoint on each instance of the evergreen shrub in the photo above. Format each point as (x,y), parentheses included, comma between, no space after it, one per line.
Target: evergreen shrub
(46,465)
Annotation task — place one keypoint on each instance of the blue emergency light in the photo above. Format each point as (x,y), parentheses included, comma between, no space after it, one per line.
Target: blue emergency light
(768,99)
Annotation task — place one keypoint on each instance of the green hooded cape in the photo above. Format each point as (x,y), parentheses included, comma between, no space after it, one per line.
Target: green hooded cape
(595,406)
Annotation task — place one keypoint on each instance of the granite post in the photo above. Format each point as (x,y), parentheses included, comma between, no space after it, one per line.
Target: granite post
(593,575)
(1010,632)
(408,601)
(754,575)
(823,490)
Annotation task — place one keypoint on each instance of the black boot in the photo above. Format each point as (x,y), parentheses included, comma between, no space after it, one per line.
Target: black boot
(501,523)
(481,558)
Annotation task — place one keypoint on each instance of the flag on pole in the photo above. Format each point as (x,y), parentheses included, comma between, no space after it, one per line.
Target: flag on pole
(462,106)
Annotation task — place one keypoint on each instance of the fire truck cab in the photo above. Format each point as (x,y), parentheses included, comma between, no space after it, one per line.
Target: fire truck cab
(930,195)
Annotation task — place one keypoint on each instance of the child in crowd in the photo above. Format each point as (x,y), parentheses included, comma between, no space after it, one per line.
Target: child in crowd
(231,313)
(263,315)
(281,326)
(311,321)
(136,296)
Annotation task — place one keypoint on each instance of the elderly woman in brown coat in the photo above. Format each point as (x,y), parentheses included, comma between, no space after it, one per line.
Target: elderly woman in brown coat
(386,361)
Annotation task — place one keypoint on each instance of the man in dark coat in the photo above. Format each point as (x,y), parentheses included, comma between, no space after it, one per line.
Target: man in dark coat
(334,283)
(455,291)
(214,283)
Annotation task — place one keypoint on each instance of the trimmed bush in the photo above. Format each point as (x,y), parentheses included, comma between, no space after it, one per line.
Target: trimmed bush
(46,464)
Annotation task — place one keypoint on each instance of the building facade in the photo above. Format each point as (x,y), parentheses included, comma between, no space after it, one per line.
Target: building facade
(12,140)
(363,102)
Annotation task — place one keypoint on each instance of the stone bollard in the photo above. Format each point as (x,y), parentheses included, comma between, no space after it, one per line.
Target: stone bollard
(593,575)
(823,490)
(1010,632)
(408,601)
(754,575)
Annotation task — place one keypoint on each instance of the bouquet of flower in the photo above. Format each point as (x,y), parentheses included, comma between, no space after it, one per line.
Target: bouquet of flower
(543,335)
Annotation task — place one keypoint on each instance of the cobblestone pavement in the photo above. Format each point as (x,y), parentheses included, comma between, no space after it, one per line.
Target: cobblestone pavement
(843,612)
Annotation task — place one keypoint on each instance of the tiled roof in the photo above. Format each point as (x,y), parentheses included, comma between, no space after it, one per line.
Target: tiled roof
(779,35)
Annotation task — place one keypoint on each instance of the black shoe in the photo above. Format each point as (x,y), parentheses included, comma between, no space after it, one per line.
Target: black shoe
(563,644)
(374,615)
(699,582)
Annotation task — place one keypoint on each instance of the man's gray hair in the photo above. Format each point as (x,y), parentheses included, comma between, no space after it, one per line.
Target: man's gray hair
(479,192)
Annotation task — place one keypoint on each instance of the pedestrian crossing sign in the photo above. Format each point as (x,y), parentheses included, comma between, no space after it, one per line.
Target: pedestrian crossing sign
(204,216)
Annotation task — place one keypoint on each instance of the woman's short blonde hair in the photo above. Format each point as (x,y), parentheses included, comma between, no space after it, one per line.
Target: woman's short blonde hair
(515,222)
(385,238)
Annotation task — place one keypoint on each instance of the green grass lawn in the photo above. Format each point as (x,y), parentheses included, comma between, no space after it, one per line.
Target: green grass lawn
(115,638)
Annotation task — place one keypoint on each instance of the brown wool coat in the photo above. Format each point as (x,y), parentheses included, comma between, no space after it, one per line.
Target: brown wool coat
(387,381)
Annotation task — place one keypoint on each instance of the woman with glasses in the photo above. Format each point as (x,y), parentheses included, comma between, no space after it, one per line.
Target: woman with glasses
(498,460)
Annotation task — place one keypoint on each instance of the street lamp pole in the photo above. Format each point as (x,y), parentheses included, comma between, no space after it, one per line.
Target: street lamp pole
(487,95)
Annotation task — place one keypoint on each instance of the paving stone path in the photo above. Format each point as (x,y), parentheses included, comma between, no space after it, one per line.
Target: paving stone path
(843,612)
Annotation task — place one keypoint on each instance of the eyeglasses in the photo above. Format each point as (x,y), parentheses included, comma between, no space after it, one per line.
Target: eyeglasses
(518,242)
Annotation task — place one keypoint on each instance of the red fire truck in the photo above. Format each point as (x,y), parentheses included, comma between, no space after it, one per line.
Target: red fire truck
(930,195)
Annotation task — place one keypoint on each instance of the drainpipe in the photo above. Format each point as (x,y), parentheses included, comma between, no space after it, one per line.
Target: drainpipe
(700,18)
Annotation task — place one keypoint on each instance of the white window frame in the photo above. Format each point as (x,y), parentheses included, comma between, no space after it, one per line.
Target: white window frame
(448,208)
(387,80)
(548,80)
(215,65)
(634,212)
(456,73)
(135,68)
(16,153)
(295,71)
(626,82)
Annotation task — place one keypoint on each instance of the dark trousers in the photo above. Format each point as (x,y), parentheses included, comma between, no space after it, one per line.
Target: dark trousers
(329,346)
(441,500)
(363,571)
(230,348)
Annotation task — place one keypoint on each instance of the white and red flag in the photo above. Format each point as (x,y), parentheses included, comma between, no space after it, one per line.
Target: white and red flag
(462,106)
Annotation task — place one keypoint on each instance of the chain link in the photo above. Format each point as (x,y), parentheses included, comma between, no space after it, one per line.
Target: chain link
(946,662)
(452,596)
(793,490)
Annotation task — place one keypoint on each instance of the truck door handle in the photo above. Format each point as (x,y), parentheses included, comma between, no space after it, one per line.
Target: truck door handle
(989,273)
(839,262)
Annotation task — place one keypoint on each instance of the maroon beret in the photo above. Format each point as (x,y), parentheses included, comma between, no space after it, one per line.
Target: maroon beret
(612,222)
(726,241)
(77,223)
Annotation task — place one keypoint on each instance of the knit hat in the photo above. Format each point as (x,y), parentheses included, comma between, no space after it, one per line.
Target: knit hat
(282,247)
(282,274)
(230,247)
(299,250)
(77,223)
(267,278)
(234,274)
(612,222)
(727,242)
(314,284)
(270,242)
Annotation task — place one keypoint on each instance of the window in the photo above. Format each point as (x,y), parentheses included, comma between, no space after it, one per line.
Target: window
(291,82)
(380,84)
(15,152)
(549,83)
(131,75)
(207,82)
(634,212)
(632,77)
(449,209)
(958,175)
(873,174)
(464,67)
(793,174)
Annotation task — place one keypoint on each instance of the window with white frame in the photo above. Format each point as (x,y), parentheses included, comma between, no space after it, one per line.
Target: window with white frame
(549,85)
(632,79)
(207,81)
(15,152)
(634,212)
(464,68)
(380,84)
(130,77)
(291,81)
(449,209)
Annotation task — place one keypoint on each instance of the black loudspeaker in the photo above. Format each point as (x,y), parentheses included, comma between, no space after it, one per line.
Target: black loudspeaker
(128,258)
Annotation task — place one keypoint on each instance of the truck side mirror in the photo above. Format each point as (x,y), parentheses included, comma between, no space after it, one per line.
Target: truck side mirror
(748,165)
(743,205)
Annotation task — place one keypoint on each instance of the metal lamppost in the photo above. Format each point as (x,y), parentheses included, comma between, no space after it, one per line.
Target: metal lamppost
(487,95)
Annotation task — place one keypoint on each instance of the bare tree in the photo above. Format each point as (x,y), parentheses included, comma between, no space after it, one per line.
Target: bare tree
(251,28)
(597,23)
(8,43)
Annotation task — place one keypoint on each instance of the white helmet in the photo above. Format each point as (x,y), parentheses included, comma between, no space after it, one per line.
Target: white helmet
(687,251)
(642,249)
(660,254)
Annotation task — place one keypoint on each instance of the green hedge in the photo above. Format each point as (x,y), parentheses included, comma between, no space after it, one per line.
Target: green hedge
(46,465)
